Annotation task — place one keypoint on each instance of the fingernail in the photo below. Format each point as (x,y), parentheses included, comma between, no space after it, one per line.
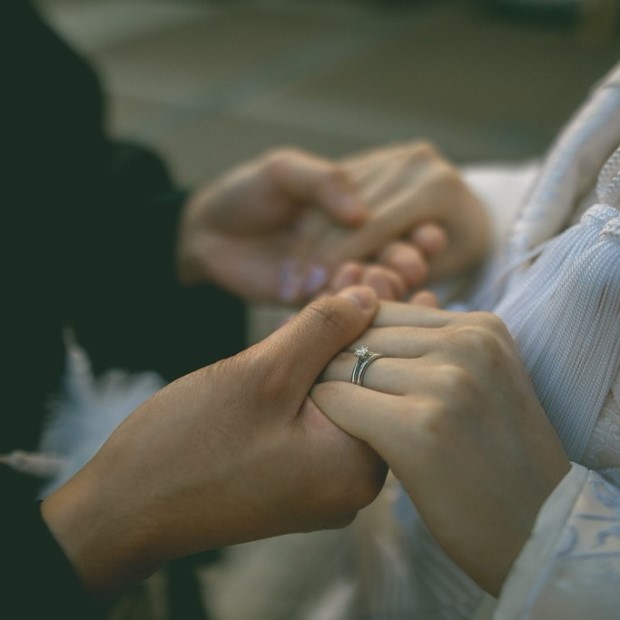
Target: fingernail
(363,296)
(290,281)
(315,280)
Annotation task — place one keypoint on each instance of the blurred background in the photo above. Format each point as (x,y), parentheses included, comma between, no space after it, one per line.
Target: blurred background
(210,83)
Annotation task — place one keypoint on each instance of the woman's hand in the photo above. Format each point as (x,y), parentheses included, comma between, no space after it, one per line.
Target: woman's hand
(452,411)
(230,453)
(424,224)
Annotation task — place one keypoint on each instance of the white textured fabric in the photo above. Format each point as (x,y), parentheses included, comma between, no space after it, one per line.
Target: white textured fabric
(570,567)
(569,172)
(564,313)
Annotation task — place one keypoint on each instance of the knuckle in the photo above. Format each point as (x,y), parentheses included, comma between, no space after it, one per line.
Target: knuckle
(276,156)
(447,177)
(493,325)
(275,159)
(453,378)
(484,342)
(475,337)
(424,151)
(492,322)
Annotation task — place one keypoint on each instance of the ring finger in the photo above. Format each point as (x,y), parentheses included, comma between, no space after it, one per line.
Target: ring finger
(385,374)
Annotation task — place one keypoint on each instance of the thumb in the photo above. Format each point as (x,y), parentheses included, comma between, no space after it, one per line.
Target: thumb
(308,342)
(312,180)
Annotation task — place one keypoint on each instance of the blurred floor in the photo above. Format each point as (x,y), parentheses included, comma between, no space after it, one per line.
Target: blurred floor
(212,83)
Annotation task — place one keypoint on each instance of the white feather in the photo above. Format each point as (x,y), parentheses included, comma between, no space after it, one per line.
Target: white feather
(88,410)
(33,463)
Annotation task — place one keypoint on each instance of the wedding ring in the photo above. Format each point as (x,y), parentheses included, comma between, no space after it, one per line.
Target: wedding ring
(364,358)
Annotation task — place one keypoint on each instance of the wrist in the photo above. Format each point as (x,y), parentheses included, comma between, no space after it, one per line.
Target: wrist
(106,544)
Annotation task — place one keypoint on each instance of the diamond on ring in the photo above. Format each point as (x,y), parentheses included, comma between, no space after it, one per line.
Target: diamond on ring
(361,352)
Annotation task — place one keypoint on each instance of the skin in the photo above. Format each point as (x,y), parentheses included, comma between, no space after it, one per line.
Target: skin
(425,223)
(281,227)
(205,464)
(241,231)
(272,461)
(452,411)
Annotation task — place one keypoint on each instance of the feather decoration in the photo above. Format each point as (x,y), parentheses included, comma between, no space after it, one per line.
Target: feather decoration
(87,411)
(33,463)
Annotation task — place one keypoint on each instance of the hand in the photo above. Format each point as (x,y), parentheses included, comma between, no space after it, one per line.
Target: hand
(245,231)
(453,413)
(230,453)
(425,223)
(388,284)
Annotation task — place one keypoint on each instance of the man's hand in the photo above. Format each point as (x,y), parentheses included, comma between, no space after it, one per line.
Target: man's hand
(424,224)
(245,231)
(233,452)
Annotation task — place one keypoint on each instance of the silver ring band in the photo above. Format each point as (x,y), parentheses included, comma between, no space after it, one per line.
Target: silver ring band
(364,359)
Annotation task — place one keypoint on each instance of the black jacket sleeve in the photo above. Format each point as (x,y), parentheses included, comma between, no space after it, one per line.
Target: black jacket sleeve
(92,222)
(39,582)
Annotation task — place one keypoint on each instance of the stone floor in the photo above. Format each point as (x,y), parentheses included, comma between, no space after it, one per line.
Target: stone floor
(210,83)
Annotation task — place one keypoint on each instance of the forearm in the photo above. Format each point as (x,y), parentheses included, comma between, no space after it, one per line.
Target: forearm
(105,540)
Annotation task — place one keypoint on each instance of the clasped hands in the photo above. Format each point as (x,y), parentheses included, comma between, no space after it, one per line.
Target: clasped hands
(238,450)
(450,407)
(452,411)
(288,225)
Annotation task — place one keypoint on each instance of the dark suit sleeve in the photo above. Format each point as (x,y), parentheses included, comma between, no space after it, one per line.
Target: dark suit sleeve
(39,581)
(93,221)
(131,310)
